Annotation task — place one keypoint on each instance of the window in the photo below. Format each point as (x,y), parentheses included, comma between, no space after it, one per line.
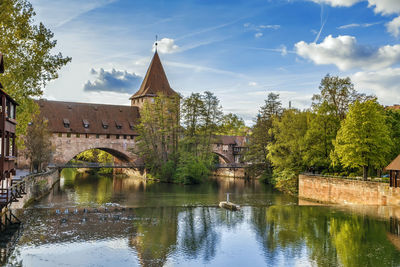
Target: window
(78,135)
(108,136)
(131,125)
(66,123)
(68,135)
(124,136)
(105,124)
(118,124)
(131,136)
(97,136)
(87,135)
(117,136)
(85,123)
(59,134)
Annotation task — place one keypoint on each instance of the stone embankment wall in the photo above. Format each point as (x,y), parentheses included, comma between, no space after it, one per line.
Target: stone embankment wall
(346,191)
(37,186)
(234,173)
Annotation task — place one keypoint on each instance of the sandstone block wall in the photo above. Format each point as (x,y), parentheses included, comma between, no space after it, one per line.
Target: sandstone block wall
(345,191)
(36,186)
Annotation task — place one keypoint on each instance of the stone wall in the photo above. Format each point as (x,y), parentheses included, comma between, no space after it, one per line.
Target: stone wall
(346,191)
(37,186)
(227,172)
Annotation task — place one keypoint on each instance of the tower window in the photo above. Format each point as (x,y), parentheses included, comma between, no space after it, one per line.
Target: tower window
(66,123)
(118,124)
(85,123)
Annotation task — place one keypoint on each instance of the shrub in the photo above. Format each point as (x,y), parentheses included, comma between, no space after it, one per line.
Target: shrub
(192,171)
(286,181)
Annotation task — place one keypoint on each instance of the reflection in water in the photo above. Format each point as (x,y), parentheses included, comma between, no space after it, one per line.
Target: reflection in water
(131,222)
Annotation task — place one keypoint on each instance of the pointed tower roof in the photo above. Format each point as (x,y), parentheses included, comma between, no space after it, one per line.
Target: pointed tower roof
(155,81)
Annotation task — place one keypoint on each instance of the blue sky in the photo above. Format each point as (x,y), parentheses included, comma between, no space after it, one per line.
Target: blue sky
(240,50)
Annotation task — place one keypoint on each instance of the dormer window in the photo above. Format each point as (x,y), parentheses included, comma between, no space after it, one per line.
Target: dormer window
(105,124)
(131,125)
(66,123)
(85,123)
(118,125)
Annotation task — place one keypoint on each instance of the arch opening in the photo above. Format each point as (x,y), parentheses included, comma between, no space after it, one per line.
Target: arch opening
(101,155)
(221,158)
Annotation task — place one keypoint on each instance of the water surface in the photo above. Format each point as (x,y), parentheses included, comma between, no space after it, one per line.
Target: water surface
(114,221)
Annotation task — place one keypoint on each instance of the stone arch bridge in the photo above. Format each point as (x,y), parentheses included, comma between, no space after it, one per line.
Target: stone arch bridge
(77,127)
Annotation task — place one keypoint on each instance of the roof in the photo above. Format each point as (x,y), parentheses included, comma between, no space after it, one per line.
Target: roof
(394,165)
(155,81)
(77,115)
(230,140)
(394,107)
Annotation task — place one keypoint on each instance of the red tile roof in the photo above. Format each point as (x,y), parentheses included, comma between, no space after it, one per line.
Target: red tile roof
(230,140)
(76,115)
(155,81)
(394,165)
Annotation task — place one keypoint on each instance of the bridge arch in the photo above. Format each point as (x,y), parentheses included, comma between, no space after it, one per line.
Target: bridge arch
(223,159)
(121,156)
(67,148)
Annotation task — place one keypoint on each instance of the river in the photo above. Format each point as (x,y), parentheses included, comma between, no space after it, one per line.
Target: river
(94,220)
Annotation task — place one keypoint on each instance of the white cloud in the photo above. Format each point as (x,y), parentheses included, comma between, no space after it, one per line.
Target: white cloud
(393,27)
(338,3)
(357,25)
(385,7)
(258,34)
(283,50)
(253,84)
(345,53)
(166,46)
(385,84)
(275,27)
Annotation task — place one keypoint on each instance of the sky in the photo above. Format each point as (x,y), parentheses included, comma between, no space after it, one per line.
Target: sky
(239,50)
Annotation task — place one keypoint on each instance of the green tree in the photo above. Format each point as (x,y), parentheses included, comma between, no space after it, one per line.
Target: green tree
(393,122)
(287,150)
(364,138)
(38,144)
(232,124)
(261,136)
(336,94)
(319,138)
(159,132)
(29,63)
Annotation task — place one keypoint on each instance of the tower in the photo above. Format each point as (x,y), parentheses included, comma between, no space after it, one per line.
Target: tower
(154,83)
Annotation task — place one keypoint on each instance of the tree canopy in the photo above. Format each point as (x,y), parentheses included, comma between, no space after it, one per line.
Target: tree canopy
(27,47)
(364,137)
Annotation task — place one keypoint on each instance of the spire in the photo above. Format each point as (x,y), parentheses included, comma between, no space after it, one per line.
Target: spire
(155,81)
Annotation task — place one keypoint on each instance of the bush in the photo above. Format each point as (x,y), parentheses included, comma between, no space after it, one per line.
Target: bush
(286,181)
(168,171)
(192,171)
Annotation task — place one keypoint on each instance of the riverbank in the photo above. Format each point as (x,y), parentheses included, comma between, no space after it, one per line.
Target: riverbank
(36,186)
